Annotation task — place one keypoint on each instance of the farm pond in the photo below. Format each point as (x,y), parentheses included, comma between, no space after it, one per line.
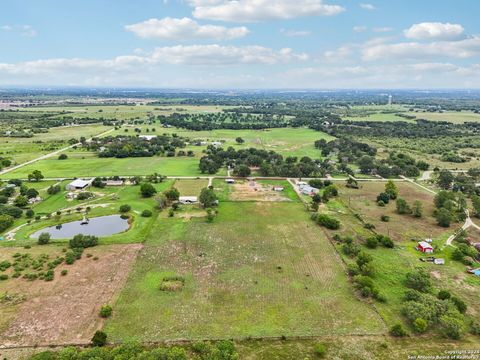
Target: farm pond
(98,226)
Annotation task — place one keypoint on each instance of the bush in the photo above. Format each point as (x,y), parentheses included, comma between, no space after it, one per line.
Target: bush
(62,157)
(147,190)
(85,195)
(398,330)
(44,238)
(419,280)
(371,242)
(383,197)
(385,218)
(320,350)
(146,213)
(106,311)
(83,241)
(444,295)
(125,208)
(459,304)
(3,277)
(328,222)
(64,272)
(99,338)
(451,326)
(420,325)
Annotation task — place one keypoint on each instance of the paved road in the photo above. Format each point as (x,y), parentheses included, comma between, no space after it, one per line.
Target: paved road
(46,156)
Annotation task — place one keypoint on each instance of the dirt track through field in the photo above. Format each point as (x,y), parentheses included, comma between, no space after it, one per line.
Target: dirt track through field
(66,309)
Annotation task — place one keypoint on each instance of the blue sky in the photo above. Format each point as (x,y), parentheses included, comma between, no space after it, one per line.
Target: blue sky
(240,44)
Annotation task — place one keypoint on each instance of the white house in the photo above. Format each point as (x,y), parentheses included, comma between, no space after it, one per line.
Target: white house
(186,200)
(308,190)
(79,184)
(147,137)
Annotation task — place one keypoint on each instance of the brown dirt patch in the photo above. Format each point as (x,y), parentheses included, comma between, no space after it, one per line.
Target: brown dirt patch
(253,191)
(66,309)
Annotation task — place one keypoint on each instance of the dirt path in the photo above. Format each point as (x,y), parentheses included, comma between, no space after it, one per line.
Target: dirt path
(66,309)
(46,156)
(468,223)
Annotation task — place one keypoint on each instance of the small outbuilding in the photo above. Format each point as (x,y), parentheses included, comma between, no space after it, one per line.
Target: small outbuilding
(424,247)
(147,137)
(439,261)
(114,182)
(278,188)
(230,181)
(187,200)
(79,184)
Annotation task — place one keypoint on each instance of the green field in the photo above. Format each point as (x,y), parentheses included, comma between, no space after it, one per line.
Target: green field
(261,269)
(456,117)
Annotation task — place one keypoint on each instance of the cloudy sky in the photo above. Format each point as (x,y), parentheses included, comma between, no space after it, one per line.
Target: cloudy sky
(229,44)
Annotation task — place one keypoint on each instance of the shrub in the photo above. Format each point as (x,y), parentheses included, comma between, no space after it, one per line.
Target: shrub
(146,213)
(371,242)
(125,208)
(320,350)
(4,277)
(420,325)
(419,279)
(44,238)
(383,197)
(398,330)
(83,241)
(62,157)
(385,218)
(147,190)
(328,222)
(106,311)
(451,326)
(459,304)
(99,338)
(64,272)
(85,195)
(444,295)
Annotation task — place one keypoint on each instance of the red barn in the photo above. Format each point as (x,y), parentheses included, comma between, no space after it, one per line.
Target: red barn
(425,247)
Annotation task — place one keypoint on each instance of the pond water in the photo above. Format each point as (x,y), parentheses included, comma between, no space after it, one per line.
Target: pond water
(98,226)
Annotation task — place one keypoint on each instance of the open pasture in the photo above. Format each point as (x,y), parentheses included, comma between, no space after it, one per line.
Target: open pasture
(260,269)
(456,117)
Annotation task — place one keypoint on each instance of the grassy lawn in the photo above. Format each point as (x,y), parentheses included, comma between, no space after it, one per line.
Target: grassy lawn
(286,141)
(456,117)
(91,166)
(259,269)
(188,187)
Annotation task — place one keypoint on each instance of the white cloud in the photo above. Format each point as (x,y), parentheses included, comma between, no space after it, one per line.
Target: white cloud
(24,30)
(339,54)
(225,55)
(359,29)
(295,33)
(434,31)
(184,29)
(414,50)
(259,10)
(382,29)
(367,6)
(28,31)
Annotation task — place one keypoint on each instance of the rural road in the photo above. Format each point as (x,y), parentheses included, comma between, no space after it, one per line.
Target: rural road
(468,223)
(46,156)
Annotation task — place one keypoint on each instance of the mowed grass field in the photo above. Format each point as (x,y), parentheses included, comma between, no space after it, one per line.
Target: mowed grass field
(260,269)
(90,165)
(24,149)
(456,117)
(286,141)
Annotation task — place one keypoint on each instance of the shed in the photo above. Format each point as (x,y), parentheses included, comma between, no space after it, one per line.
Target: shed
(186,200)
(278,188)
(425,247)
(230,181)
(439,261)
(114,182)
(79,184)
